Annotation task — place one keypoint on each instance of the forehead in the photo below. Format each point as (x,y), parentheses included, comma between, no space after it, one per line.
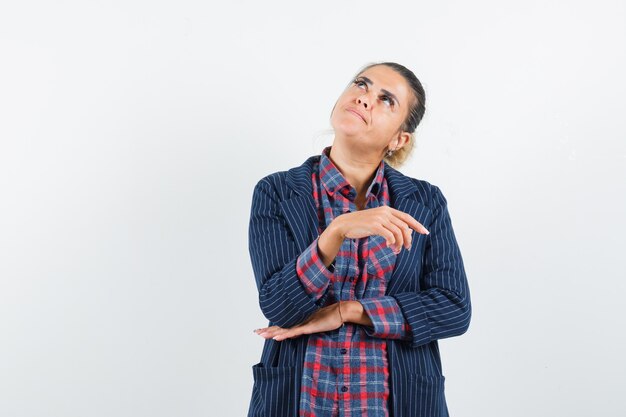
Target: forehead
(386,78)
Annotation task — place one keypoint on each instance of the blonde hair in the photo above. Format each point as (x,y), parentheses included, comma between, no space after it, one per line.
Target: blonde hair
(399,157)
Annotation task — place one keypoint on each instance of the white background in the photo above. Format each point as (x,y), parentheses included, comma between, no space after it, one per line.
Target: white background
(133,132)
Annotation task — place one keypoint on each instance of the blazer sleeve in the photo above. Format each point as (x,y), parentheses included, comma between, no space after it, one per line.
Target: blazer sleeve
(283,298)
(442,307)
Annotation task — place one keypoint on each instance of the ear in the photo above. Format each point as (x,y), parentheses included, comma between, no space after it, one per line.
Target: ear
(402,139)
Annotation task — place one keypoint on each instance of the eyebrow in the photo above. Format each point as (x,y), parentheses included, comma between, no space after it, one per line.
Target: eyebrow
(389,93)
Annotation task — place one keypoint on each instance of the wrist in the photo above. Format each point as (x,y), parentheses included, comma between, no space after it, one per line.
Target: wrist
(336,230)
(353,312)
(329,243)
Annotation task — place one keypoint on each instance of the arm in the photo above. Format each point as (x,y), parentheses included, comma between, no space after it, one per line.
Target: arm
(442,308)
(380,317)
(315,266)
(283,297)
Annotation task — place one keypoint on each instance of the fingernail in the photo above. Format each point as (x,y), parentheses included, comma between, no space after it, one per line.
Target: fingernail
(427,232)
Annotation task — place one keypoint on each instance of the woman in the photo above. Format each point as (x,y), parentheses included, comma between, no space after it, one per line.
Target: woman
(355,300)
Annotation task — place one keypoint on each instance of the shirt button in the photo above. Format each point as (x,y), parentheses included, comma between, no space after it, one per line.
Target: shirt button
(351,279)
(343,351)
(344,389)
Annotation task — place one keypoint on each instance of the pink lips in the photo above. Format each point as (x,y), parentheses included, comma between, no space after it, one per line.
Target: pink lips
(357,113)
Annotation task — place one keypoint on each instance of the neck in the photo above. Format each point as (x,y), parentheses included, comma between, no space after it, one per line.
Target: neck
(357,170)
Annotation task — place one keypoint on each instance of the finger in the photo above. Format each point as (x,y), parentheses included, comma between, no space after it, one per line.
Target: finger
(385,233)
(265,334)
(397,233)
(270,335)
(407,232)
(292,332)
(279,332)
(288,334)
(410,220)
(271,331)
(260,330)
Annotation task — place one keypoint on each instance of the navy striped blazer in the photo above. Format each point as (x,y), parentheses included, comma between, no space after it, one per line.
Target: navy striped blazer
(429,283)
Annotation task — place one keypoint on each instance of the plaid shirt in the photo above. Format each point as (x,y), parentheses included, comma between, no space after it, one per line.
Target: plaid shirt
(346,371)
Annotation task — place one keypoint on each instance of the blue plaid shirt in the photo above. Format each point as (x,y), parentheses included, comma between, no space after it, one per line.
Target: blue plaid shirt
(346,372)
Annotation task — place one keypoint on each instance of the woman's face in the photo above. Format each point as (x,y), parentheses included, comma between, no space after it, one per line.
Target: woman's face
(381,96)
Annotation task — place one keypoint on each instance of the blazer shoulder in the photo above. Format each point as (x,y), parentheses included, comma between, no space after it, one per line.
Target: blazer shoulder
(424,190)
(430,194)
(274,183)
(274,179)
(285,183)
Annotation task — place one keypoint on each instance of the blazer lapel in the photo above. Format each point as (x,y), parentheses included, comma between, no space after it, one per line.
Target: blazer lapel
(404,196)
(299,211)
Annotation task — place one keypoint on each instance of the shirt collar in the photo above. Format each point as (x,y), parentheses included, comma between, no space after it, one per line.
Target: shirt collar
(333,180)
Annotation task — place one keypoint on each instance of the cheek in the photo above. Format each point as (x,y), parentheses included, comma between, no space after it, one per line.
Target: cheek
(387,121)
(395,121)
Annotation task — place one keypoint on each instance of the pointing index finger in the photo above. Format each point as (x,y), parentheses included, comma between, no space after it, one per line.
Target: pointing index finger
(410,220)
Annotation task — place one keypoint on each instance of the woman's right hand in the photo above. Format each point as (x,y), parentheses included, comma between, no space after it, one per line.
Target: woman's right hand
(392,224)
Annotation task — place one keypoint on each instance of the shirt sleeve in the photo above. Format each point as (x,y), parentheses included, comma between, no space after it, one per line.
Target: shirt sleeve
(314,275)
(386,317)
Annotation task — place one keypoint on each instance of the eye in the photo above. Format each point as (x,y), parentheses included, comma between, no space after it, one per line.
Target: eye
(360,83)
(389,99)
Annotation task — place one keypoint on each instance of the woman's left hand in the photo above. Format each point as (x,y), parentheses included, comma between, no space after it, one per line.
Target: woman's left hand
(325,319)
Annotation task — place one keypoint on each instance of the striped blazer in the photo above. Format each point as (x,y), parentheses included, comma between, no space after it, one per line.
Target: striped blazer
(429,283)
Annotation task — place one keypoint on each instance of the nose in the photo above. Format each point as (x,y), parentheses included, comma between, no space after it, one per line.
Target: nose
(364,99)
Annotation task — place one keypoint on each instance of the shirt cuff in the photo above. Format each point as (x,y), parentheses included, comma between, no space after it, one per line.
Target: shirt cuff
(314,275)
(388,321)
